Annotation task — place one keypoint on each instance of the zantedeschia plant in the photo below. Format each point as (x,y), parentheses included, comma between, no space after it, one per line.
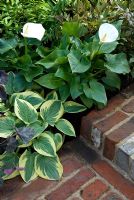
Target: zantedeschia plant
(108,33)
(33,30)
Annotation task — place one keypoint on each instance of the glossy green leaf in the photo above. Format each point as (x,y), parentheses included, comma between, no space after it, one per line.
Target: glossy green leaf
(48,167)
(25,111)
(49,81)
(112,79)
(65,127)
(6,45)
(78,62)
(117,63)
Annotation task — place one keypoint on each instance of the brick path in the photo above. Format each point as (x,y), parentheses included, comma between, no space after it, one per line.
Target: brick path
(87,174)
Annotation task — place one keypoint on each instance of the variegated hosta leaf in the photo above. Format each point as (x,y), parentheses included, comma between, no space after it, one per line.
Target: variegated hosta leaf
(33,98)
(52,95)
(73,107)
(6,126)
(48,167)
(51,111)
(58,139)
(65,127)
(26,161)
(25,111)
(45,145)
(9,161)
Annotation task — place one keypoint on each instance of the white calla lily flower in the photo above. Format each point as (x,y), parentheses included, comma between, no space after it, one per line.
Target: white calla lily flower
(108,33)
(33,30)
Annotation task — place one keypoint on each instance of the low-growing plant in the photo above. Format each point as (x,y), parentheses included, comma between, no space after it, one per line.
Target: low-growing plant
(33,130)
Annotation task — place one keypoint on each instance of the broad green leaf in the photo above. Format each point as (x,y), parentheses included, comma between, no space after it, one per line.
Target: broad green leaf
(117,63)
(32,73)
(26,134)
(26,161)
(45,145)
(97,92)
(73,107)
(107,47)
(10,83)
(25,111)
(112,79)
(19,83)
(6,45)
(64,92)
(86,101)
(38,127)
(49,81)
(75,87)
(7,125)
(51,111)
(48,167)
(55,58)
(65,127)
(78,62)
(63,73)
(33,98)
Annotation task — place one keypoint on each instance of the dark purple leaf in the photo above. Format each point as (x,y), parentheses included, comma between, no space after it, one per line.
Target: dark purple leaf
(3,94)
(26,134)
(3,77)
(12,144)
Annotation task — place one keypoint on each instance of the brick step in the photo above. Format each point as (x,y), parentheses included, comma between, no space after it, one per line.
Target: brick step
(111,130)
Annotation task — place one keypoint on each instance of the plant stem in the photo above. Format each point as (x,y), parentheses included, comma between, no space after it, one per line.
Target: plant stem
(25,43)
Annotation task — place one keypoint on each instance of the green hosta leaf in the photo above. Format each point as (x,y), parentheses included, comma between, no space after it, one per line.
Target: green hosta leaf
(117,63)
(24,62)
(48,167)
(6,45)
(33,98)
(56,57)
(7,125)
(65,127)
(64,92)
(26,161)
(63,73)
(51,111)
(10,83)
(25,111)
(32,73)
(49,81)
(38,127)
(52,95)
(86,101)
(97,92)
(58,139)
(78,62)
(75,87)
(73,107)
(45,145)
(112,80)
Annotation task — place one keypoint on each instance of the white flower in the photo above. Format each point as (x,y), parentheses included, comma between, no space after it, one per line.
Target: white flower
(108,33)
(33,30)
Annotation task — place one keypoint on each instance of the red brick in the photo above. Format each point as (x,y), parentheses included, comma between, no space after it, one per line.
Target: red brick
(94,190)
(129,108)
(70,165)
(114,178)
(116,136)
(112,196)
(111,121)
(71,186)
(86,127)
(112,105)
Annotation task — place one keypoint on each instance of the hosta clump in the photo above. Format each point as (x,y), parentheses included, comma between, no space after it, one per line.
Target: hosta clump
(34,132)
(85,67)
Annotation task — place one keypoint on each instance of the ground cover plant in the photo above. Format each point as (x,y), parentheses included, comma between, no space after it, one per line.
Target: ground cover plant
(44,75)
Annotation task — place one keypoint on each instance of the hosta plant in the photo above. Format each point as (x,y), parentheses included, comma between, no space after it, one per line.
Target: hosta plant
(33,129)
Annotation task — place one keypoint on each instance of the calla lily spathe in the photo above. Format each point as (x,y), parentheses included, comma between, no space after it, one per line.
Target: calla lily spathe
(108,33)
(33,30)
